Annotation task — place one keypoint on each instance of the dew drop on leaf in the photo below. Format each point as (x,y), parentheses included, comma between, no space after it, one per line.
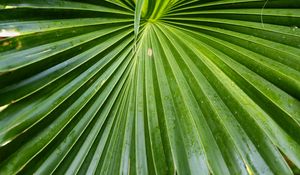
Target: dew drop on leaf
(150,52)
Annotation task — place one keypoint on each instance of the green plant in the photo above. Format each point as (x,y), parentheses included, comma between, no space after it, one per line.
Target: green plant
(152,87)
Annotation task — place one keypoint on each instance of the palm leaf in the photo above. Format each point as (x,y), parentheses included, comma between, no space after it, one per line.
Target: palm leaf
(150,87)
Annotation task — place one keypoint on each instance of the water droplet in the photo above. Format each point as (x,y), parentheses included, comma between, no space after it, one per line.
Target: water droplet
(294,28)
(150,52)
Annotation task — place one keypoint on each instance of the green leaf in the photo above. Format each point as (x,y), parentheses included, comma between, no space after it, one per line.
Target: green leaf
(150,87)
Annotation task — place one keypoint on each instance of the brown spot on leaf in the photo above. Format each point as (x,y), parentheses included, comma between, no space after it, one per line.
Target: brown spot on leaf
(6,43)
(19,45)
